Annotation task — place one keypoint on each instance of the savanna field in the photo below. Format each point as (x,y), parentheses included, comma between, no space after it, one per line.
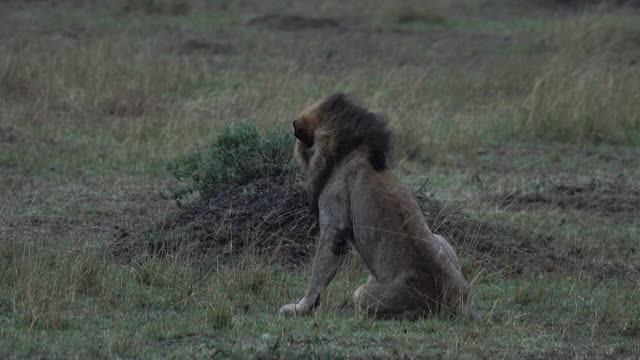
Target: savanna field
(150,206)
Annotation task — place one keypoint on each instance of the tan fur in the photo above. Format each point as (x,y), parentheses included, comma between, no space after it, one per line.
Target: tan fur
(360,202)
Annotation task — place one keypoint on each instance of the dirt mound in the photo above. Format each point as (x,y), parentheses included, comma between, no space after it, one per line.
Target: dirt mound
(270,217)
(293,22)
(616,198)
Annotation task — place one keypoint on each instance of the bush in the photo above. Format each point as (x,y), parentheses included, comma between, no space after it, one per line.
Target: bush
(238,156)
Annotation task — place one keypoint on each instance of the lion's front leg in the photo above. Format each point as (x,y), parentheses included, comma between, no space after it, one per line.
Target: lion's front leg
(328,259)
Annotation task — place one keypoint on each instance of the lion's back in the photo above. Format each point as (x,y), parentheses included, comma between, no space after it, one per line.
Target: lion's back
(387,221)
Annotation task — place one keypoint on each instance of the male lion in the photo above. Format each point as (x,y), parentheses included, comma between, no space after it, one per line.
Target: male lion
(344,149)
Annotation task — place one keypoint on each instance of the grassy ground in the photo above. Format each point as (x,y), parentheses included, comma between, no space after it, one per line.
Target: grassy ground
(519,113)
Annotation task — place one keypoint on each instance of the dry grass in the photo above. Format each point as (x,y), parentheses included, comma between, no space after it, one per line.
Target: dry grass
(109,76)
(583,103)
(584,90)
(42,284)
(94,99)
(579,87)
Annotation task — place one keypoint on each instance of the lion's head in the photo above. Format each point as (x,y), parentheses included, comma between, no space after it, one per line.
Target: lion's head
(332,128)
(337,125)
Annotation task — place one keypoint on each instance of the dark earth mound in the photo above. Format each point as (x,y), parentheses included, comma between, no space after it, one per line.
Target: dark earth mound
(270,218)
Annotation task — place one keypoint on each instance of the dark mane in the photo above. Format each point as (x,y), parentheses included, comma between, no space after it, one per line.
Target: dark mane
(353,125)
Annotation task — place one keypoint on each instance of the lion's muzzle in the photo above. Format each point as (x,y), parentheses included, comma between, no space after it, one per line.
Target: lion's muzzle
(302,134)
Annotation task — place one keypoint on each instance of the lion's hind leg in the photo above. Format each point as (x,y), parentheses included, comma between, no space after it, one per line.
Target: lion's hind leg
(393,300)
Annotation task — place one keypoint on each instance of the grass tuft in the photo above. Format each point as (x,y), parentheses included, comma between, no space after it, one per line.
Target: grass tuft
(42,285)
(531,293)
(220,315)
(17,78)
(633,327)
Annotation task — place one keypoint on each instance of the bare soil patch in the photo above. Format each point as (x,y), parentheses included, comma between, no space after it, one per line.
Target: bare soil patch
(204,46)
(609,199)
(293,22)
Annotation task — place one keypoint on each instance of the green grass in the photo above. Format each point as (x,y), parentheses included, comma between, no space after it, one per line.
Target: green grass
(506,100)
(170,307)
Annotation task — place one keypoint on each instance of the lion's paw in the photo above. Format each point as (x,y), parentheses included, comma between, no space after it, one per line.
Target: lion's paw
(298,309)
(289,310)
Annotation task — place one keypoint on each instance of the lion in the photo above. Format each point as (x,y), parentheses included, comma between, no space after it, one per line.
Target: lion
(344,151)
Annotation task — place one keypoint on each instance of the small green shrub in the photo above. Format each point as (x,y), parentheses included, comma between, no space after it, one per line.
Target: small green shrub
(239,155)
